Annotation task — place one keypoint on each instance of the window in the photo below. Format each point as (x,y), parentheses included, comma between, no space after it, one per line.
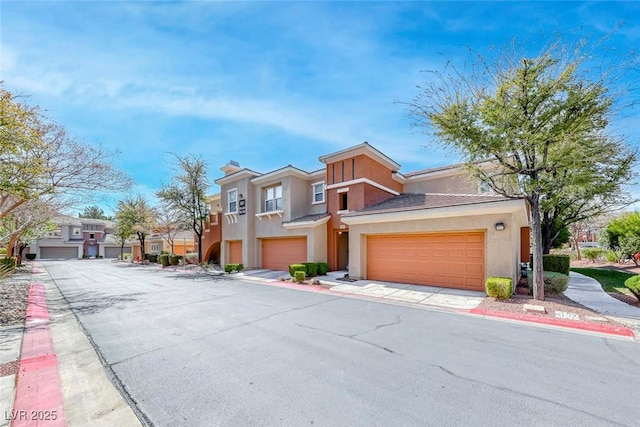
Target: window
(155,247)
(318,192)
(76,231)
(343,201)
(92,235)
(273,198)
(232,196)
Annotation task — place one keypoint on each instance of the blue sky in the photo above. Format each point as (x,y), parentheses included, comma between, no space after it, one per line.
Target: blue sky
(264,83)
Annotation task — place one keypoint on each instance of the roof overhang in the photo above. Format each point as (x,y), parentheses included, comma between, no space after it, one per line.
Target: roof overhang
(360,149)
(513,206)
(281,173)
(306,224)
(244,173)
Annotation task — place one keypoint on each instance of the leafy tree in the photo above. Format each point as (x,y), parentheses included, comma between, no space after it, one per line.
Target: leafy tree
(123,231)
(187,194)
(171,221)
(623,235)
(136,215)
(94,212)
(540,120)
(40,159)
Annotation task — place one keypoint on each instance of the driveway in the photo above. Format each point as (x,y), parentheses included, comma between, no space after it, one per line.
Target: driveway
(195,350)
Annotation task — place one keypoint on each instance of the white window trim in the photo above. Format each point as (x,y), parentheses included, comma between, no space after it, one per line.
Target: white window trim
(342,212)
(313,193)
(229,211)
(342,190)
(156,246)
(264,191)
(365,181)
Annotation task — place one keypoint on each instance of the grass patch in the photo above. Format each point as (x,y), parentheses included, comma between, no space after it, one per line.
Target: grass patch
(610,280)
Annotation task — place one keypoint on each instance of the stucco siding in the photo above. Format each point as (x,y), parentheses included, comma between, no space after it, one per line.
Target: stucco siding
(454,184)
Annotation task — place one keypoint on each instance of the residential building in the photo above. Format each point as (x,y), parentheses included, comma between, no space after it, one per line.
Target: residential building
(359,213)
(78,238)
(183,243)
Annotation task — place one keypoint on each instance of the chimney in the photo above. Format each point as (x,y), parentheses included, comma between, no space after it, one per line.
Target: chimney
(230,167)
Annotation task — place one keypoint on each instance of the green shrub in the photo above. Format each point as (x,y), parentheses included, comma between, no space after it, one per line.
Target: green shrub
(151,257)
(323,268)
(296,267)
(8,264)
(299,276)
(175,259)
(311,268)
(499,287)
(633,284)
(611,256)
(230,268)
(554,282)
(164,260)
(3,251)
(557,263)
(30,257)
(592,254)
(85,256)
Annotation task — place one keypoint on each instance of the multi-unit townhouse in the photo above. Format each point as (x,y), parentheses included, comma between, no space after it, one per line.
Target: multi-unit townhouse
(359,213)
(77,238)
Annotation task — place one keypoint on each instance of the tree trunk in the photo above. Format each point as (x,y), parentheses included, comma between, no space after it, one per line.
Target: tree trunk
(141,237)
(547,240)
(577,246)
(122,249)
(536,237)
(199,248)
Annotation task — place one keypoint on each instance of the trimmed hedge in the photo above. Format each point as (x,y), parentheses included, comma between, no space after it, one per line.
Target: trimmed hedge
(30,257)
(499,287)
(311,268)
(323,268)
(557,263)
(633,284)
(164,260)
(151,257)
(299,276)
(554,282)
(229,268)
(296,267)
(175,259)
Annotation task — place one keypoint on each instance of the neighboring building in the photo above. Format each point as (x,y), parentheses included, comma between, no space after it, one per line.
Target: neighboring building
(359,213)
(183,243)
(77,238)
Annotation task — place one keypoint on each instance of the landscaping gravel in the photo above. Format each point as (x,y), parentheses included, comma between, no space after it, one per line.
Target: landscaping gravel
(557,306)
(14,294)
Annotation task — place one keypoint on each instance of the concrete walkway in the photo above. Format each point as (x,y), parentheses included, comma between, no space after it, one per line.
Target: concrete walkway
(581,289)
(588,292)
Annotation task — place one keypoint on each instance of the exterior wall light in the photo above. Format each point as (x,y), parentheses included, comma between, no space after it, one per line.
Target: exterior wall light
(499,226)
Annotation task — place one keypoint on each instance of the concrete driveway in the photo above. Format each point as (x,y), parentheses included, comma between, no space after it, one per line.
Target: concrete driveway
(193,350)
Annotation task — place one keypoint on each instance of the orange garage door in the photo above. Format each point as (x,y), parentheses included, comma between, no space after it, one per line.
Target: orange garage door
(235,252)
(278,254)
(452,260)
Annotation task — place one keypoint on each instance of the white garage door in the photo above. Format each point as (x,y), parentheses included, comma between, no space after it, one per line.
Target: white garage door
(115,252)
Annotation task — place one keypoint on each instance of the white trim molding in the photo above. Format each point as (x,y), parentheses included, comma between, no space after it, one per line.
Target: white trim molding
(363,181)
(232,217)
(269,214)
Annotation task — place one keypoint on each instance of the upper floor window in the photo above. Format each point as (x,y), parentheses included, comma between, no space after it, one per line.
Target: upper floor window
(155,247)
(343,202)
(273,198)
(232,200)
(318,192)
(92,235)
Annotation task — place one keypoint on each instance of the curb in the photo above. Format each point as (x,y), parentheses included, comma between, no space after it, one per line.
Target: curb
(563,323)
(38,398)
(622,331)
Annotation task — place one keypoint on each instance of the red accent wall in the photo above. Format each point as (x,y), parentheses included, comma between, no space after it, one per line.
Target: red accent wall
(211,239)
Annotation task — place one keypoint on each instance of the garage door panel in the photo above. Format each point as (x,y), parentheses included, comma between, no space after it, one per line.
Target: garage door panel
(278,254)
(235,252)
(53,252)
(438,259)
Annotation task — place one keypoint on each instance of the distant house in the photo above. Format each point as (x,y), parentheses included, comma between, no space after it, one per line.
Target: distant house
(78,238)
(183,243)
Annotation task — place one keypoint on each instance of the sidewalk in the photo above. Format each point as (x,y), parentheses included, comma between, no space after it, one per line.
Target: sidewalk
(54,349)
(581,289)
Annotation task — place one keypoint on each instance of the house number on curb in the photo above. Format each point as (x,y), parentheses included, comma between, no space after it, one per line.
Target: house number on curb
(565,315)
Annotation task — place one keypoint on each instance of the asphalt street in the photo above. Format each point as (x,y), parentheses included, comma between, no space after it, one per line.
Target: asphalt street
(196,350)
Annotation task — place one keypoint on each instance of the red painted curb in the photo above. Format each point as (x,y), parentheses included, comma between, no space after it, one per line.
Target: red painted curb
(38,399)
(572,324)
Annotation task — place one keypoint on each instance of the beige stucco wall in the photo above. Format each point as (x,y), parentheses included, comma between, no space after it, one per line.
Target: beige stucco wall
(502,248)
(244,229)
(455,184)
